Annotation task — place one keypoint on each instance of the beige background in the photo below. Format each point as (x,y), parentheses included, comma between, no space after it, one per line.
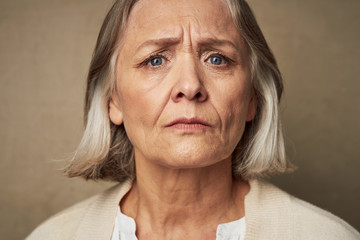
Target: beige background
(45,49)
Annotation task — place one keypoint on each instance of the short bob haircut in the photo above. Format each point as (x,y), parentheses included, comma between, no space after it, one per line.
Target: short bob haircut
(105,151)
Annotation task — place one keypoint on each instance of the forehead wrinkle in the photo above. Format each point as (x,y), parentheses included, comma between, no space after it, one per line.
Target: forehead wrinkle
(192,27)
(189,31)
(213,41)
(160,42)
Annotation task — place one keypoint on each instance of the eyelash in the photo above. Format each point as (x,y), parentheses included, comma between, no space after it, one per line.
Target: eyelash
(227,60)
(223,57)
(151,57)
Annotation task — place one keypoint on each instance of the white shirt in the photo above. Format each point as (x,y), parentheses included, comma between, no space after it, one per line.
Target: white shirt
(125,229)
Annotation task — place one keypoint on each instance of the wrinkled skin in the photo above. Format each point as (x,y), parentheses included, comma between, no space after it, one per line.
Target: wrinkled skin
(184,94)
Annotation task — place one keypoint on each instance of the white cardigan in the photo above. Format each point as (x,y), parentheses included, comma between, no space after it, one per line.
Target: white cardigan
(270,214)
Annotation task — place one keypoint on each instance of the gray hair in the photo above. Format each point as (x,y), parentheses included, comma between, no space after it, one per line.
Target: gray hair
(105,152)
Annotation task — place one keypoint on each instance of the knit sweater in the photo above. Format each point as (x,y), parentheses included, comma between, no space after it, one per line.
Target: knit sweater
(270,214)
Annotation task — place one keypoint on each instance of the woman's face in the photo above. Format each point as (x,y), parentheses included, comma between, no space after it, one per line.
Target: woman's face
(183,89)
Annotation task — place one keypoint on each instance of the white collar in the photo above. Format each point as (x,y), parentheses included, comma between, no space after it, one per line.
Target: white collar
(125,229)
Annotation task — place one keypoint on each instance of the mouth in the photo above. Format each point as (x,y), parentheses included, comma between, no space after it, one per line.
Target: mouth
(189,124)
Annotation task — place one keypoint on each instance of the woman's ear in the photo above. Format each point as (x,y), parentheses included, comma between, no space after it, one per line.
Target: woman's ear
(252,108)
(115,112)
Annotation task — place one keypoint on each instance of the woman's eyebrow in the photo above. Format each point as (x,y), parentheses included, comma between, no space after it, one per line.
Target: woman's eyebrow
(215,42)
(161,42)
(166,42)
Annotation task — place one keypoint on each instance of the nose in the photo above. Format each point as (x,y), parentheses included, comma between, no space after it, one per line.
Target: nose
(189,84)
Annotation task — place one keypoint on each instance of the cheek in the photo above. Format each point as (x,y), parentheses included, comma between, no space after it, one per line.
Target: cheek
(233,110)
(236,114)
(134,107)
(135,114)
(141,102)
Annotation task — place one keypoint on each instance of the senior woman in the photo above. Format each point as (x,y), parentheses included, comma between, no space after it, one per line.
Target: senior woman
(182,110)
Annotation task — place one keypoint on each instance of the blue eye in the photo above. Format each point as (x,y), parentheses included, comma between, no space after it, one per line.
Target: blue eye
(216,60)
(157,61)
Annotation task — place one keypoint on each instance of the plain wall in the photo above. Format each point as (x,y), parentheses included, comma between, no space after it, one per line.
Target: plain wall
(45,50)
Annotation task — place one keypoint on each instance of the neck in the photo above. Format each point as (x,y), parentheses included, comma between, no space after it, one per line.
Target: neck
(166,201)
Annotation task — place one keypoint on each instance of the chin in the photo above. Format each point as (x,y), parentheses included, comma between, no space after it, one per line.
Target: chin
(190,160)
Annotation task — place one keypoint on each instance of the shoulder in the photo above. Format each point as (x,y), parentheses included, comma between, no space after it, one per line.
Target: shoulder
(317,223)
(292,217)
(91,216)
(271,213)
(62,225)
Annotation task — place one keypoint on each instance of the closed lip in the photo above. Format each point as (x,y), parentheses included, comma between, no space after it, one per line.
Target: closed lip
(190,121)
